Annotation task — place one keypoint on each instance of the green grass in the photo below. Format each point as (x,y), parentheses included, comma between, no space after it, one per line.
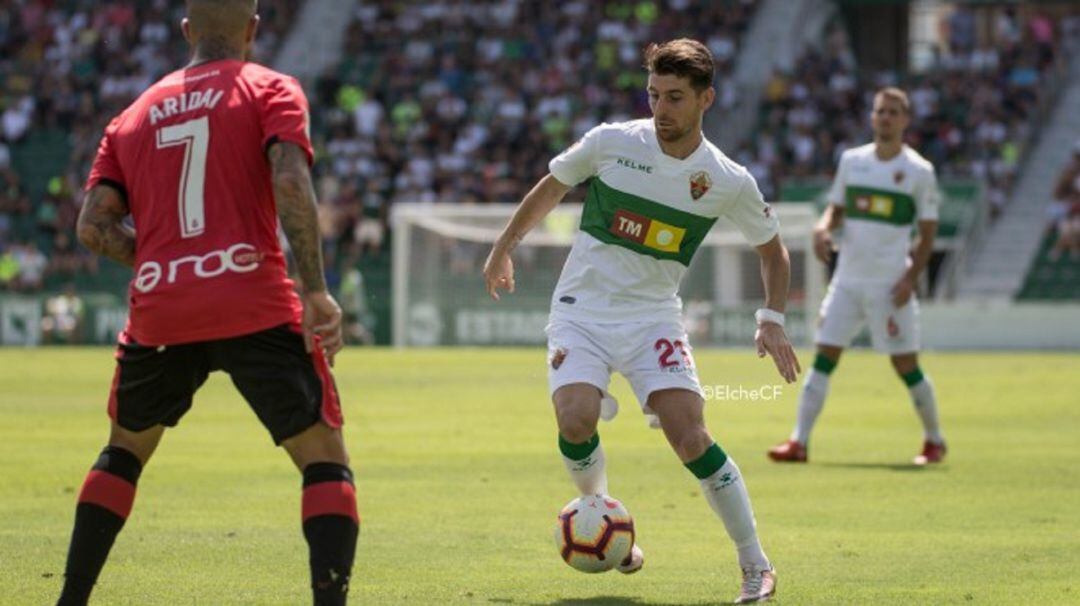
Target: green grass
(460,481)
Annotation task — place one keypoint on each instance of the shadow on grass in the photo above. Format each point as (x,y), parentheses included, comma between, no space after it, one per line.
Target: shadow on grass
(593,601)
(888,466)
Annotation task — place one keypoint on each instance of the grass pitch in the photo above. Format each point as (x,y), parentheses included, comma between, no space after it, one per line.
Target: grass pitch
(460,481)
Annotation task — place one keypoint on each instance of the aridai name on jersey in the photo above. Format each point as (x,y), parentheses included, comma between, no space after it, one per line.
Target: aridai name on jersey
(190,157)
(646,214)
(183,103)
(881,199)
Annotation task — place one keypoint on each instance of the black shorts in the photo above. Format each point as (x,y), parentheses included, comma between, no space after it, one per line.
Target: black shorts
(288,388)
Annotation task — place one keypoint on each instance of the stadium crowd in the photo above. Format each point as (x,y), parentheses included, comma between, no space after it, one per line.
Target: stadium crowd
(973,109)
(467,101)
(66,68)
(481,95)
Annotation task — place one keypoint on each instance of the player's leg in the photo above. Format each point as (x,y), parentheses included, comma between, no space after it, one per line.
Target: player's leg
(895,331)
(577,412)
(841,317)
(681,416)
(578,375)
(294,395)
(331,523)
(105,500)
(924,400)
(152,388)
(811,401)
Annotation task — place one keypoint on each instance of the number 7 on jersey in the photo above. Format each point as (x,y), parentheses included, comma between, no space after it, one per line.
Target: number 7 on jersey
(194,135)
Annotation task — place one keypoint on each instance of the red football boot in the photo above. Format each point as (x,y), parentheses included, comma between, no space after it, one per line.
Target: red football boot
(788,451)
(931,453)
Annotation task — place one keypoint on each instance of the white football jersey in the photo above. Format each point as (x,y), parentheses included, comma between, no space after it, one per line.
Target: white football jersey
(882,200)
(645,215)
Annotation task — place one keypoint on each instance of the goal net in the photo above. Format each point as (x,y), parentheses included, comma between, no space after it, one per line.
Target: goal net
(439,297)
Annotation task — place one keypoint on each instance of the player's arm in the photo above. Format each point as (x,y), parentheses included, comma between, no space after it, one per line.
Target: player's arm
(499,269)
(770,337)
(920,258)
(294,195)
(833,217)
(101,224)
(761,228)
(830,221)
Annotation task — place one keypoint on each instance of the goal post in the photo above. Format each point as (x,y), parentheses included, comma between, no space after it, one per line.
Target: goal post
(439,297)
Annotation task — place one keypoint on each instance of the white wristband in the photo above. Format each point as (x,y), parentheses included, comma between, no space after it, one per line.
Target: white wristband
(769,315)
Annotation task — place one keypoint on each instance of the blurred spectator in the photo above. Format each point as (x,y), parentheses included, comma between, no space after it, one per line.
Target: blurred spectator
(9,268)
(370,227)
(31,263)
(63,317)
(357,319)
(1065,211)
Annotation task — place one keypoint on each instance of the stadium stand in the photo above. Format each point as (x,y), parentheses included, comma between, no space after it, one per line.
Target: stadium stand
(480,97)
(1055,272)
(972,111)
(67,68)
(465,102)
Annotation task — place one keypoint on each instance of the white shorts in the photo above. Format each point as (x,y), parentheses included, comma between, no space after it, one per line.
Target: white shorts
(848,307)
(651,355)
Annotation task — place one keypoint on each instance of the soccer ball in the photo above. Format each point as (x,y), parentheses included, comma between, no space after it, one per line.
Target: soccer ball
(594,533)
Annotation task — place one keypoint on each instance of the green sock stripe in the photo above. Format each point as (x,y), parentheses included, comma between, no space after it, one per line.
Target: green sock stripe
(578,452)
(823,364)
(913,378)
(708,463)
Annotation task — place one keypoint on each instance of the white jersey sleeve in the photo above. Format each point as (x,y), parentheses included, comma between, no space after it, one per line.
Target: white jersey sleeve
(749,212)
(579,161)
(927,196)
(836,195)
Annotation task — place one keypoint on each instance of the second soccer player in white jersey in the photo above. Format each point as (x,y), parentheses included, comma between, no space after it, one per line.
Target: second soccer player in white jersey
(881,189)
(657,187)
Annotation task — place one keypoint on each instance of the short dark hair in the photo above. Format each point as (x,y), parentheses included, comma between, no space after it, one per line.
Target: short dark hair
(684,58)
(896,94)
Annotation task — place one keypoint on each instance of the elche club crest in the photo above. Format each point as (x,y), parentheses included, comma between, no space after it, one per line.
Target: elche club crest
(700,182)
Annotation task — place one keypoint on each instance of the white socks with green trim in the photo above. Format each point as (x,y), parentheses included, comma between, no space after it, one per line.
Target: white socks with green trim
(811,401)
(585,462)
(922,396)
(724,489)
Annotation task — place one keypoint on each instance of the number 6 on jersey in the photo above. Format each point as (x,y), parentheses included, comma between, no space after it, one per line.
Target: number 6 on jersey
(194,135)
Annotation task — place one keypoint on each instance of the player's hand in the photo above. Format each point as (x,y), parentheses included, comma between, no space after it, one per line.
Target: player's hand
(770,339)
(902,291)
(823,245)
(498,273)
(322,318)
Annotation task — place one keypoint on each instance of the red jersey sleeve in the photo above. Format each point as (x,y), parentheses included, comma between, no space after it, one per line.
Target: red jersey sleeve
(285,115)
(106,164)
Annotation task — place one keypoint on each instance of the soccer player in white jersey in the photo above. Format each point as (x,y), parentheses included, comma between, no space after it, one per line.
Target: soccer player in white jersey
(881,189)
(657,187)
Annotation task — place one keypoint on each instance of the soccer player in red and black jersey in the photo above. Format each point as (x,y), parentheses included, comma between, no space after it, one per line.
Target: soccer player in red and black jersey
(208,162)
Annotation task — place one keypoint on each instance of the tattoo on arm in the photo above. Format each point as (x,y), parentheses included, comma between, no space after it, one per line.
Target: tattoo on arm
(101,227)
(295,198)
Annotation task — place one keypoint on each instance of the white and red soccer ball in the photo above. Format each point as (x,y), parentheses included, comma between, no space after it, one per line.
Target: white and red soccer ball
(594,533)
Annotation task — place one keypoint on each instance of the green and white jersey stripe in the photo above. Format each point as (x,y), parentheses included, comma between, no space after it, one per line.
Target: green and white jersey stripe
(882,200)
(646,214)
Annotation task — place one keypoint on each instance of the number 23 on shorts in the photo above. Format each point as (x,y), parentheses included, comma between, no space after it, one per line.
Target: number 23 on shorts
(673,353)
